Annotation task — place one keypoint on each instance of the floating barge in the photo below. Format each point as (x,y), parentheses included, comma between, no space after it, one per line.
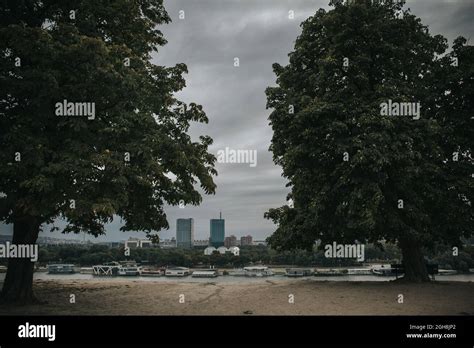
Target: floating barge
(330,272)
(359,271)
(257,271)
(147,272)
(205,274)
(129,271)
(61,269)
(177,272)
(299,272)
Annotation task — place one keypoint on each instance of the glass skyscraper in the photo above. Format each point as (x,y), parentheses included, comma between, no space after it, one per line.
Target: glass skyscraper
(217,232)
(185,233)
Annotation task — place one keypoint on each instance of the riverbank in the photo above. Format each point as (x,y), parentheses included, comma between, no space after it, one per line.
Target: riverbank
(265,297)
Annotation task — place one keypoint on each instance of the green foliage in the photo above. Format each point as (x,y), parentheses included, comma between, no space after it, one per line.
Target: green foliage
(97,254)
(82,59)
(337,110)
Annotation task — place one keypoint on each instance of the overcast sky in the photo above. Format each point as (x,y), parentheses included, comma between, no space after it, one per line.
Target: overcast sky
(259,33)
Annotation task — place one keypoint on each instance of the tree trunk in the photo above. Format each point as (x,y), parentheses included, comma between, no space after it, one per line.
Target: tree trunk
(413,262)
(18,285)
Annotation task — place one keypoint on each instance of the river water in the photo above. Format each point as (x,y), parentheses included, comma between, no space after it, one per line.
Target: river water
(233,279)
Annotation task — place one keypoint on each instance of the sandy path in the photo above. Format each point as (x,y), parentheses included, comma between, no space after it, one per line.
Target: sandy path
(261,298)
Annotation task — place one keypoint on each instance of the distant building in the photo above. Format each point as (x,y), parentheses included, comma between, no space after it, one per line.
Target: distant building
(168,243)
(113,245)
(133,243)
(146,243)
(222,250)
(58,241)
(201,243)
(217,232)
(185,233)
(247,240)
(260,242)
(234,250)
(209,250)
(230,241)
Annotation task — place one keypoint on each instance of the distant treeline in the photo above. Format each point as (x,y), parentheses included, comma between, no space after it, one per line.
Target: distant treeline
(97,254)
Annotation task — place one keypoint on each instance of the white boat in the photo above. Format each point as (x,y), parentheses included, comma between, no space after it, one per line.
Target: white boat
(147,272)
(205,274)
(61,269)
(177,272)
(385,271)
(299,272)
(129,271)
(257,271)
(359,271)
(329,272)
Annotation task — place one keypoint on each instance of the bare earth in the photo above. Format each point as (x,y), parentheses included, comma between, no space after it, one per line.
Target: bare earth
(259,298)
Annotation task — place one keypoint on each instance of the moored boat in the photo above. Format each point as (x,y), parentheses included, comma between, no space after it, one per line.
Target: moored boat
(129,271)
(147,272)
(385,271)
(359,271)
(257,271)
(177,272)
(61,269)
(299,272)
(330,272)
(205,274)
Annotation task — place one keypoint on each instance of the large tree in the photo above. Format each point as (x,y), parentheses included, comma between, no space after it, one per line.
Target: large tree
(130,160)
(354,174)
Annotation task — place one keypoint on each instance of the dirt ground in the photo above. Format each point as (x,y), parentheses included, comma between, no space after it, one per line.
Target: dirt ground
(258,298)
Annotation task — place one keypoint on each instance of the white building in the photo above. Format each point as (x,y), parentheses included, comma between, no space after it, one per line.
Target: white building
(234,250)
(209,250)
(138,243)
(201,243)
(222,250)
(146,243)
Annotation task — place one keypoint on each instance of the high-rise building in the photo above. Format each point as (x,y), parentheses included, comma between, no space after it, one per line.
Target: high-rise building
(184,233)
(217,232)
(247,240)
(230,241)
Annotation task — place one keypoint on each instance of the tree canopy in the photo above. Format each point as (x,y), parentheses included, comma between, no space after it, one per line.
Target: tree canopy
(78,51)
(128,158)
(354,174)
